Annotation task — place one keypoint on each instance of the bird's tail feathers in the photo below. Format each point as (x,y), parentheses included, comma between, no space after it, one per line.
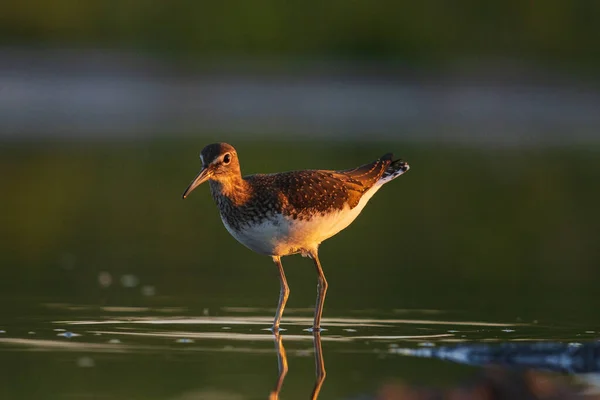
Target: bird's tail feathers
(394,170)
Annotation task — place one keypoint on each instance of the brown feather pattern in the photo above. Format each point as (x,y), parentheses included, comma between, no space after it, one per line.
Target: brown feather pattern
(296,194)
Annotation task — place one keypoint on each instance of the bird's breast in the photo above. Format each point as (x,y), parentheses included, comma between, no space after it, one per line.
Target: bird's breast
(282,235)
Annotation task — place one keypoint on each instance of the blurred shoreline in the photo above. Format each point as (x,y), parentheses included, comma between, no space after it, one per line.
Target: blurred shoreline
(66,94)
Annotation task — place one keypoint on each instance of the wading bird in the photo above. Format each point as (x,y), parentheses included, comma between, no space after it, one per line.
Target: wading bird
(290,212)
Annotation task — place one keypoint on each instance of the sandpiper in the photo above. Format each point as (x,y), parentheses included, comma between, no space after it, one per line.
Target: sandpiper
(290,212)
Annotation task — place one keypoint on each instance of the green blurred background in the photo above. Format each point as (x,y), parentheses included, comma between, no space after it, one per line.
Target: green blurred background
(429,33)
(106,104)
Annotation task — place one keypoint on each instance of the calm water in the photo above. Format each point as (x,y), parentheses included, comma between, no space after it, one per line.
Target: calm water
(112,287)
(69,351)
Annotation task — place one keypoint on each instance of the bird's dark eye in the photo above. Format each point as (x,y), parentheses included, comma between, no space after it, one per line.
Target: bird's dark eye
(226,158)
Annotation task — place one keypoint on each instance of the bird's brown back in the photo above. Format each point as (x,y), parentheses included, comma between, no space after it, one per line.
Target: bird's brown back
(303,194)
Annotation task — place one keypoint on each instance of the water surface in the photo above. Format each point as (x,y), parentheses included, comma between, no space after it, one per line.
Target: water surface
(77,351)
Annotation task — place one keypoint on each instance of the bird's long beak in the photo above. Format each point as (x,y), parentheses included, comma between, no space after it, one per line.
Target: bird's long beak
(202,177)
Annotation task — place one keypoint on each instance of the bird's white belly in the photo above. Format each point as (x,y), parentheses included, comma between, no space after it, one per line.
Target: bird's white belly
(282,235)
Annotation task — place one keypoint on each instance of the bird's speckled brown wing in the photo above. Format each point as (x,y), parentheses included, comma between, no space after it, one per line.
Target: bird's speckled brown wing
(305,193)
(368,174)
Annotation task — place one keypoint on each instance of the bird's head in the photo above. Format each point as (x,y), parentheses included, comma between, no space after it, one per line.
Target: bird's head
(219,163)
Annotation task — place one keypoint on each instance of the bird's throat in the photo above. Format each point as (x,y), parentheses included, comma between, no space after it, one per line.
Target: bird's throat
(234,189)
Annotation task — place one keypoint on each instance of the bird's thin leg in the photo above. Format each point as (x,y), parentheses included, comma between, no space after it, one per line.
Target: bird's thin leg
(283,293)
(321,290)
(319,365)
(283,367)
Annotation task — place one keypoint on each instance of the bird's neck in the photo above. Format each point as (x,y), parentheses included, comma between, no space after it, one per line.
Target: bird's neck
(234,188)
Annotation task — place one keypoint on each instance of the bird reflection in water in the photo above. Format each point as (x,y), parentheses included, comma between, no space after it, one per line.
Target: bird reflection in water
(283,365)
